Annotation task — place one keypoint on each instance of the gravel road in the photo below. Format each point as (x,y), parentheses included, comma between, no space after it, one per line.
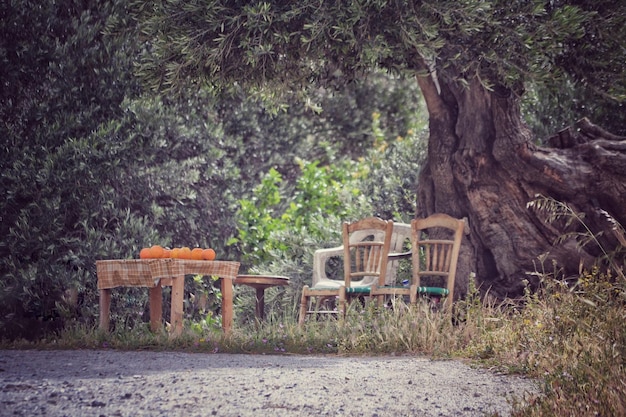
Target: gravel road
(120,383)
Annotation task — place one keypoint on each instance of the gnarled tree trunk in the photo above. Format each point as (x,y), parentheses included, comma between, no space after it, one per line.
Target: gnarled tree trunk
(483,165)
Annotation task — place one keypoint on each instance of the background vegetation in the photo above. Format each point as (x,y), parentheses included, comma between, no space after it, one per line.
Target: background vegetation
(93,167)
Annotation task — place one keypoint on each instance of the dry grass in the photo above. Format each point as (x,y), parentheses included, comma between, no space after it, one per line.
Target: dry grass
(571,336)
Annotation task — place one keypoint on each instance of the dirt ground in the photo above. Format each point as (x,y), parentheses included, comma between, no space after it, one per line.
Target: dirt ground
(120,383)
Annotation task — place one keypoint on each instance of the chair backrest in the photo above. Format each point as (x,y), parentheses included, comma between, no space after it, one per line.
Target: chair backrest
(436,242)
(401,236)
(367,256)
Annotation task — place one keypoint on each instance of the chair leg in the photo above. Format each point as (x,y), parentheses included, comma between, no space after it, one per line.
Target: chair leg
(304,301)
(413,295)
(379,298)
(341,308)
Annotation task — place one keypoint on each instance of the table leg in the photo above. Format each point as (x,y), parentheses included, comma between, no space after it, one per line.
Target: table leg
(105,309)
(227,304)
(156,307)
(260,303)
(178,290)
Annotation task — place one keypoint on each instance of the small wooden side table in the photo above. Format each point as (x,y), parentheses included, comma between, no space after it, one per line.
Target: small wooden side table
(260,283)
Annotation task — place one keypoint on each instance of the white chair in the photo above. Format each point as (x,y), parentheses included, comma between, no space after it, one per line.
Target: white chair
(357,235)
(400,237)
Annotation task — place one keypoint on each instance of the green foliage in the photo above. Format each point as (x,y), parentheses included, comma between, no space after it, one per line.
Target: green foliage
(393,174)
(550,108)
(273,47)
(257,220)
(204,299)
(548,112)
(62,83)
(190,181)
(320,192)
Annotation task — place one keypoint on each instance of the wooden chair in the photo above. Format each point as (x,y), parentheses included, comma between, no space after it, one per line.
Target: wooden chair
(434,260)
(366,244)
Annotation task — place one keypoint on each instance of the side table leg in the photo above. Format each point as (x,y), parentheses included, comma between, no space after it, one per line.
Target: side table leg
(227,304)
(178,290)
(260,303)
(156,307)
(105,309)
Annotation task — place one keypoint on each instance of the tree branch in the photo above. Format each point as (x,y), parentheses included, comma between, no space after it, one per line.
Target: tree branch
(427,82)
(582,132)
(595,131)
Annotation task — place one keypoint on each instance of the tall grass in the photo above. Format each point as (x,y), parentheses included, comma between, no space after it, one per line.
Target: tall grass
(574,338)
(570,336)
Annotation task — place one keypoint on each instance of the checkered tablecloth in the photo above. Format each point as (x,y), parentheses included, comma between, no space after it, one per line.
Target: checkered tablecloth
(147,272)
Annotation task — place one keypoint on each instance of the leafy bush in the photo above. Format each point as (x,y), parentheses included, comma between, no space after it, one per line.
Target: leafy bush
(393,166)
(62,84)
(549,109)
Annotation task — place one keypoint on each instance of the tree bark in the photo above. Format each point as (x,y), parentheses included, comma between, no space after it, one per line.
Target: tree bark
(483,164)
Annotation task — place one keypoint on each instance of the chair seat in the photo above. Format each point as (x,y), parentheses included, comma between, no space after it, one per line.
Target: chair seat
(328,284)
(420,290)
(351,290)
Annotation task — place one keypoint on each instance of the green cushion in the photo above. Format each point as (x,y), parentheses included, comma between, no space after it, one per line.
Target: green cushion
(433,291)
(358,290)
(425,290)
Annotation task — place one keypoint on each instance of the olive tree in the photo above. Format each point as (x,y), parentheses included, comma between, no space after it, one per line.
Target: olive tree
(471,60)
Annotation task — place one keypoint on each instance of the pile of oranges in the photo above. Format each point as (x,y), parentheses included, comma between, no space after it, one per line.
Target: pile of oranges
(156,252)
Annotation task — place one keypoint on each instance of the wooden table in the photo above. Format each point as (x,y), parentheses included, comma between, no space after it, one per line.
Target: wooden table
(157,273)
(260,283)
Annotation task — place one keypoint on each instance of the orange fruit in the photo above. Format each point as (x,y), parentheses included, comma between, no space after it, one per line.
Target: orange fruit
(144,253)
(208,254)
(185,253)
(196,254)
(167,253)
(156,251)
(175,253)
